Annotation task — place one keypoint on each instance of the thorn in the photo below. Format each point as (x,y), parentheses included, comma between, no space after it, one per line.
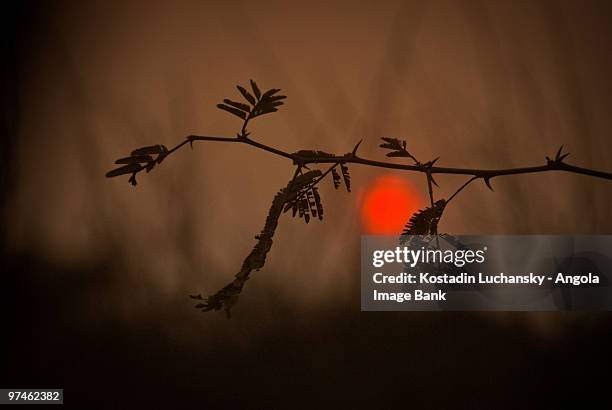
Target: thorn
(487,181)
(562,157)
(356,146)
(430,163)
(559,153)
(433,181)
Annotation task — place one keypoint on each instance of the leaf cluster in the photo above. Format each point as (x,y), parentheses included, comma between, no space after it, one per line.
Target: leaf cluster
(346,177)
(255,102)
(303,198)
(425,221)
(140,159)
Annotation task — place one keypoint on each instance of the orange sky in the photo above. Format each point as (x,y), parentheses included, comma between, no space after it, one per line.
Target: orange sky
(480,84)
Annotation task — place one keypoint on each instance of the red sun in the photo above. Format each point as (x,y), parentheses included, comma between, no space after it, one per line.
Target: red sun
(387,204)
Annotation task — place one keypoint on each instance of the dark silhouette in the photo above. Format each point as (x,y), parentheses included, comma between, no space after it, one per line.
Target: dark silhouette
(301,194)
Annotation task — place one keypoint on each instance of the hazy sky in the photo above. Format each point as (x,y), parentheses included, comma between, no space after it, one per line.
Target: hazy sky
(480,84)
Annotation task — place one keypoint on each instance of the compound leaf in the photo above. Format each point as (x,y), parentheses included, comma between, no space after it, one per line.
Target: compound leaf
(425,221)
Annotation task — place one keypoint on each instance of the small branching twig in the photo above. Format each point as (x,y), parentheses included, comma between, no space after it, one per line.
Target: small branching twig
(301,194)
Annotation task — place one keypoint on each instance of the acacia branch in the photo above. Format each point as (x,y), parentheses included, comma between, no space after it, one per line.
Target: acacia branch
(352,158)
(228,295)
(301,194)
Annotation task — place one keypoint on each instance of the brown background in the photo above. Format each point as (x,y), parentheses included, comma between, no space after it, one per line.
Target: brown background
(97,271)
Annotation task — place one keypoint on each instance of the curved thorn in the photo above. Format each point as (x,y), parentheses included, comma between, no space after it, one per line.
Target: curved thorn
(354,153)
(487,181)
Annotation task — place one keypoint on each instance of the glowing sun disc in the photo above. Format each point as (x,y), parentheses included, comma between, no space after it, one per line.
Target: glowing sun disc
(387,204)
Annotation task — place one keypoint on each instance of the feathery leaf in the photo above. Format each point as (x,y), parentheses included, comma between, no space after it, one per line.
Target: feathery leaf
(255,89)
(294,208)
(246,95)
(153,149)
(305,209)
(311,203)
(397,146)
(336,178)
(346,176)
(134,159)
(393,143)
(274,98)
(232,110)
(317,198)
(270,93)
(126,169)
(240,106)
(425,221)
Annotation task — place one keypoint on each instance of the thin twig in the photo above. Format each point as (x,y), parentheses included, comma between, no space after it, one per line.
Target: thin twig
(461,188)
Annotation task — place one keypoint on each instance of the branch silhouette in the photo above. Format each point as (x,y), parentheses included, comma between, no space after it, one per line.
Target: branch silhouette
(301,194)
